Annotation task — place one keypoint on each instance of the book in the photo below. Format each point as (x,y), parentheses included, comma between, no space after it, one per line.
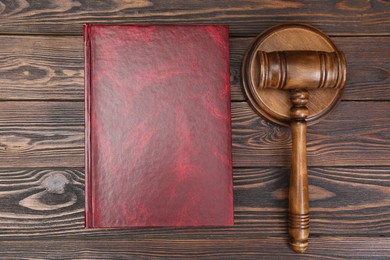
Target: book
(157,126)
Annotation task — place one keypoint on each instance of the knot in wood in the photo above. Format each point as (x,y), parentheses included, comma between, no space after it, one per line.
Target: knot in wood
(55,183)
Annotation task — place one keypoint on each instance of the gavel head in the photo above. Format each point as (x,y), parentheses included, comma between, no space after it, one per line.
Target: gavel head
(293,57)
(300,69)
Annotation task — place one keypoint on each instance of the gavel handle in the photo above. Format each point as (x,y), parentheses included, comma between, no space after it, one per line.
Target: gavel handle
(298,192)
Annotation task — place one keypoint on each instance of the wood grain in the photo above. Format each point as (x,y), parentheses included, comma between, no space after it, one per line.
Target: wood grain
(41,68)
(41,113)
(52,68)
(355,133)
(51,134)
(41,133)
(49,202)
(244,17)
(205,248)
(34,146)
(41,201)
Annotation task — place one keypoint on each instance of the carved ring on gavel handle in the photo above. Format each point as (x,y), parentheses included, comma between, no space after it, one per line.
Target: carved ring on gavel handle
(294,75)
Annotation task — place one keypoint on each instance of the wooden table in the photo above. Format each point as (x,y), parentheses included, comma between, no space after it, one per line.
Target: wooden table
(42,138)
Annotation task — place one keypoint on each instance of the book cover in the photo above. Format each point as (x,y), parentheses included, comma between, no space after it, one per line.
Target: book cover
(157,126)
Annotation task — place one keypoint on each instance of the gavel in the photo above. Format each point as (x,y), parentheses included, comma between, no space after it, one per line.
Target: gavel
(297,72)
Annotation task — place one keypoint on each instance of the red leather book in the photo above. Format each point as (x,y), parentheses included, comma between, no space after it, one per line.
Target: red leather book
(157,126)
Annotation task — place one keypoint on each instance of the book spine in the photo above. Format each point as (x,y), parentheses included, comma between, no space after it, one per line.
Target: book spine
(88,150)
(230,140)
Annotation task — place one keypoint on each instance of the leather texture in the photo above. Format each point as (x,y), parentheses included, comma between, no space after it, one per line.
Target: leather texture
(158,126)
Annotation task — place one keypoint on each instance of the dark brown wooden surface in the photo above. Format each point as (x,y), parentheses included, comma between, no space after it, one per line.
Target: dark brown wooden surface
(244,17)
(49,202)
(42,140)
(51,134)
(354,134)
(52,67)
(206,248)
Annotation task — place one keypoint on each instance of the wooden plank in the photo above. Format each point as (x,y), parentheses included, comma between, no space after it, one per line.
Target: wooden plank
(51,134)
(50,203)
(52,68)
(33,134)
(368,72)
(41,201)
(205,248)
(355,133)
(43,68)
(41,113)
(35,146)
(244,17)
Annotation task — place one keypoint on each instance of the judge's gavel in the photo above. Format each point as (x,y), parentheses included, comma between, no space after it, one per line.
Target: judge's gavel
(314,71)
